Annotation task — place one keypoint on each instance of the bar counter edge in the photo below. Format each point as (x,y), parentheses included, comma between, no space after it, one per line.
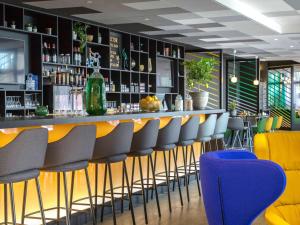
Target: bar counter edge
(68,119)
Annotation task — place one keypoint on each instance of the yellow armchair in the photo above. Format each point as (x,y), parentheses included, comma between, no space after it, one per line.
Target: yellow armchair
(284,149)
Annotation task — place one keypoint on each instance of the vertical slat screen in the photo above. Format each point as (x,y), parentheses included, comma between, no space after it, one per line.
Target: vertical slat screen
(243,91)
(214,101)
(279,94)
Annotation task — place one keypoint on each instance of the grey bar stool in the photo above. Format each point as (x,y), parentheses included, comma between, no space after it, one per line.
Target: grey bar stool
(142,145)
(187,137)
(71,154)
(221,128)
(113,148)
(167,139)
(20,161)
(236,125)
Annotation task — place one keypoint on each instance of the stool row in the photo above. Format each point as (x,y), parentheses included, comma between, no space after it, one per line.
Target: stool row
(29,153)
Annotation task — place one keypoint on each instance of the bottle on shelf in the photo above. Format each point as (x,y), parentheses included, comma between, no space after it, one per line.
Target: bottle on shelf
(75,56)
(54,54)
(79,57)
(46,55)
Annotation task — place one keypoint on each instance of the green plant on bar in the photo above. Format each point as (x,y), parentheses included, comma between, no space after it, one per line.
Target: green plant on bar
(200,72)
(232,105)
(81,30)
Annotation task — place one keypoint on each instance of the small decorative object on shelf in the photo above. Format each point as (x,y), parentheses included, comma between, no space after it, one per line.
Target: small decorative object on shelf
(34,29)
(142,68)
(188,103)
(150,65)
(232,108)
(178,53)
(13,24)
(49,30)
(131,46)
(30,82)
(174,53)
(42,111)
(74,35)
(28,27)
(150,104)
(95,89)
(124,59)
(80,30)
(99,38)
(179,103)
(90,38)
(133,64)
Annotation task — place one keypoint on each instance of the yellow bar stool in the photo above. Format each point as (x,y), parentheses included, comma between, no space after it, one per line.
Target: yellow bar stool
(269,124)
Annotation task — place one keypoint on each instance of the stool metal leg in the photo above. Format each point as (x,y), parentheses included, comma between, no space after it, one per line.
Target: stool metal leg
(122,194)
(129,193)
(185,174)
(132,176)
(96,187)
(72,193)
(154,183)
(24,202)
(196,169)
(66,199)
(155,158)
(112,194)
(177,176)
(12,203)
(5,204)
(167,180)
(143,190)
(104,192)
(148,173)
(58,198)
(38,188)
(88,184)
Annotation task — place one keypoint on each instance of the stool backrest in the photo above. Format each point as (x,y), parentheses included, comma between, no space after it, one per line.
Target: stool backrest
(146,137)
(207,128)
(25,152)
(221,124)
(170,133)
(189,130)
(115,143)
(279,123)
(275,121)
(235,123)
(269,124)
(261,125)
(76,146)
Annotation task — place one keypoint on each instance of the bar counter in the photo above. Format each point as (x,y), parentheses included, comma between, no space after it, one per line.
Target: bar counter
(58,127)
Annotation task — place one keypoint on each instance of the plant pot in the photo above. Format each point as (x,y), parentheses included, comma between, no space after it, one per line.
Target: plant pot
(200,99)
(233,112)
(74,35)
(49,30)
(29,29)
(90,38)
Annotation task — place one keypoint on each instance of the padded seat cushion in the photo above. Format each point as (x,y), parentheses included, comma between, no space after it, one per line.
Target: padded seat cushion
(140,152)
(204,139)
(111,159)
(67,167)
(165,147)
(22,176)
(218,136)
(284,149)
(186,143)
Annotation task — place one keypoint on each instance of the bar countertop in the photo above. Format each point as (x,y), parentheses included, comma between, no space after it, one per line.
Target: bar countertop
(68,119)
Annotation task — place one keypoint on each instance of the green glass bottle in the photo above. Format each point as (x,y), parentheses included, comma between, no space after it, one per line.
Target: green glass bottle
(95,92)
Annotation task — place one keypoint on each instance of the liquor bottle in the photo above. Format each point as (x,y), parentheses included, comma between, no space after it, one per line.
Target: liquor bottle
(54,54)
(75,56)
(46,55)
(79,57)
(49,53)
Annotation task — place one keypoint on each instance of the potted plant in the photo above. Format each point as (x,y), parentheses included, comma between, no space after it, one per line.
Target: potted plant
(80,29)
(13,24)
(232,108)
(34,29)
(28,27)
(199,75)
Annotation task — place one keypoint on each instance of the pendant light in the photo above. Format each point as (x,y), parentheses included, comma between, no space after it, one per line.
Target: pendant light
(233,79)
(256,81)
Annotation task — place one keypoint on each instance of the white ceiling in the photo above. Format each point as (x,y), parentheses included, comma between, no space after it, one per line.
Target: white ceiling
(201,23)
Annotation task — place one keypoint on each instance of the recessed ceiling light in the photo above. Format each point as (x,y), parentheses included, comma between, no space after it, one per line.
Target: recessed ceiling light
(275,39)
(292,46)
(89,2)
(147,19)
(251,13)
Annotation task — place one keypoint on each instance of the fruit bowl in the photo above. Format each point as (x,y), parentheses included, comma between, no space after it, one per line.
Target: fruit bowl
(150,104)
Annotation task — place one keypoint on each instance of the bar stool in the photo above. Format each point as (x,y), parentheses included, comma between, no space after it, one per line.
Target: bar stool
(167,139)
(187,136)
(269,124)
(206,131)
(113,148)
(142,145)
(236,125)
(220,129)
(20,161)
(71,154)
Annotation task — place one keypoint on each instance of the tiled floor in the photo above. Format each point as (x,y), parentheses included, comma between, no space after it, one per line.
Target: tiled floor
(190,214)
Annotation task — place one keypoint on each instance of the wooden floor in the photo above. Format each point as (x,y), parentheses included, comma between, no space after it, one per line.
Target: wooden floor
(191,213)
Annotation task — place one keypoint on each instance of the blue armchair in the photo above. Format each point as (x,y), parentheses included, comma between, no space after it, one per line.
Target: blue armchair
(237,187)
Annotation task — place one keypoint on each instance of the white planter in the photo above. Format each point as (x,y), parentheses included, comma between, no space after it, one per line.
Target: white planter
(29,29)
(233,112)
(74,34)
(200,99)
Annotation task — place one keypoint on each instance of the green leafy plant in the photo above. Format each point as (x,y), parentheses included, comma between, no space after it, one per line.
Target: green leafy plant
(81,31)
(200,72)
(232,105)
